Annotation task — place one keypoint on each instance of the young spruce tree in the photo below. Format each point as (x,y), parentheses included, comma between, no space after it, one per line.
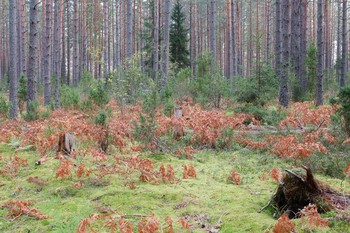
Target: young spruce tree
(178,37)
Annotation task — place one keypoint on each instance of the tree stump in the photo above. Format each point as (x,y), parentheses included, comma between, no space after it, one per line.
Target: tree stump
(66,144)
(296,191)
(178,130)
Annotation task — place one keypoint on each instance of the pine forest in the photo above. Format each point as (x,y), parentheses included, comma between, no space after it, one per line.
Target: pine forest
(164,116)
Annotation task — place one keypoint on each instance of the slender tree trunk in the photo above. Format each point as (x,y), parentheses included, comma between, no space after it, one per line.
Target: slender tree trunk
(344,45)
(129,39)
(57,50)
(278,39)
(105,39)
(83,59)
(233,40)
(155,40)
(75,46)
(47,54)
(193,26)
(338,61)
(13,56)
(63,63)
(283,97)
(268,34)
(117,34)
(319,85)
(295,46)
(213,29)
(68,43)
(303,45)
(23,38)
(239,40)
(165,46)
(33,54)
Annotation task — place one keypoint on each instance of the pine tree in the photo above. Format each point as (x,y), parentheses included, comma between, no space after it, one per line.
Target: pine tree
(178,37)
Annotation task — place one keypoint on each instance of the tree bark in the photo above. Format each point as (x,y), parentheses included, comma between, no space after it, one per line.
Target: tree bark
(33,54)
(319,84)
(213,30)
(295,47)
(165,46)
(57,49)
(303,45)
(278,39)
(13,56)
(47,54)
(155,40)
(129,23)
(283,96)
(23,38)
(75,45)
(344,45)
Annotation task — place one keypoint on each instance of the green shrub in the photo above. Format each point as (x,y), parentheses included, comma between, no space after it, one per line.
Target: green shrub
(145,129)
(344,101)
(102,117)
(22,92)
(98,95)
(33,113)
(69,97)
(4,106)
(226,139)
(210,86)
(257,90)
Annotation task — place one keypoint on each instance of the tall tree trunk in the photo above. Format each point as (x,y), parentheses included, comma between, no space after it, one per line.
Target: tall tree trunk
(338,61)
(278,39)
(47,53)
(13,56)
(213,30)
(23,38)
(33,54)
(155,40)
(344,45)
(303,45)
(319,85)
(83,37)
(117,62)
(295,47)
(193,38)
(239,40)
(75,45)
(57,49)
(165,46)
(68,43)
(228,50)
(63,63)
(268,34)
(105,40)
(129,39)
(233,40)
(283,96)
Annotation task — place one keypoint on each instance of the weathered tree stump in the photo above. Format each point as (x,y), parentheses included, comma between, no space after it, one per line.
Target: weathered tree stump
(296,191)
(66,143)
(178,130)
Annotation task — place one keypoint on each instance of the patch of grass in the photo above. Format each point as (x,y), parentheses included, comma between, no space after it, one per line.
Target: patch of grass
(209,194)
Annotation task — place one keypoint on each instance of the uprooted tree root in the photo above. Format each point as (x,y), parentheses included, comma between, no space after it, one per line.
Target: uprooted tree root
(296,191)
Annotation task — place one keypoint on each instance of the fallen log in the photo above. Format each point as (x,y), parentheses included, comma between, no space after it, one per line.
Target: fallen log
(295,191)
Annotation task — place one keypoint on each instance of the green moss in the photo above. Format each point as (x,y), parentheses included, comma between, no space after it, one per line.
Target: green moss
(208,194)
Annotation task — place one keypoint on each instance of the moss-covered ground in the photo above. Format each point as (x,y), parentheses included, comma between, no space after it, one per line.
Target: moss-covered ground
(209,197)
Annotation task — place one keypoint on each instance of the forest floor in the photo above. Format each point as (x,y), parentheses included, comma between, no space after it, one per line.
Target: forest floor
(101,191)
